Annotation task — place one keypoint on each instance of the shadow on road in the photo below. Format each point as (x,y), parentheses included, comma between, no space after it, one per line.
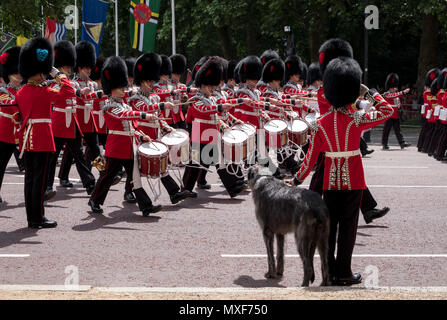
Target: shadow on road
(17,237)
(249,282)
(372,227)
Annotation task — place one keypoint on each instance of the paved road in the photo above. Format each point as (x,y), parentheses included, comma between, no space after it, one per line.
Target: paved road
(210,241)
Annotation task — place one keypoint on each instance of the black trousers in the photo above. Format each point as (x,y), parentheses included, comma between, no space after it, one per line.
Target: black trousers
(75,148)
(316,184)
(192,171)
(344,213)
(113,166)
(422,134)
(102,139)
(19,161)
(436,136)
(179,125)
(363,145)
(91,152)
(6,151)
(430,128)
(442,143)
(395,124)
(36,172)
(170,185)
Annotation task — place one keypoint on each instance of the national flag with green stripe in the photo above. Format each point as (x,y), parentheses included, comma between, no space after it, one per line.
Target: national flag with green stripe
(143,21)
(6,41)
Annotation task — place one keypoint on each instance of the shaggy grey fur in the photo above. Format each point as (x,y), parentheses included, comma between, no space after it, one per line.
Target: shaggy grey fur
(282,209)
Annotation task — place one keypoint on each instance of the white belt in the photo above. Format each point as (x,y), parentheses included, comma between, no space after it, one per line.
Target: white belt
(206,121)
(28,129)
(250,113)
(6,115)
(68,110)
(148,124)
(278,114)
(68,114)
(342,154)
(122,133)
(87,109)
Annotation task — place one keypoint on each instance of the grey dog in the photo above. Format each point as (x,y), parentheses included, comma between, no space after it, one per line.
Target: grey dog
(281,209)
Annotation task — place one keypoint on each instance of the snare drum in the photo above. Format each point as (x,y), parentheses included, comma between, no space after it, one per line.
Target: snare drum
(234,146)
(250,130)
(178,145)
(276,134)
(297,132)
(153,159)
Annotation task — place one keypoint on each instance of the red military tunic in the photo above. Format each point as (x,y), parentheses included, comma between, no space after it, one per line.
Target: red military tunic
(98,115)
(84,104)
(323,104)
(63,116)
(431,105)
(438,107)
(425,97)
(250,113)
(231,93)
(338,135)
(165,91)
(393,98)
(444,108)
(8,126)
(35,102)
(274,94)
(119,118)
(147,102)
(261,86)
(292,88)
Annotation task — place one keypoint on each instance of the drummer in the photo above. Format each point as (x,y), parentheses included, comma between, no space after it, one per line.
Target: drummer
(146,73)
(204,116)
(122,139)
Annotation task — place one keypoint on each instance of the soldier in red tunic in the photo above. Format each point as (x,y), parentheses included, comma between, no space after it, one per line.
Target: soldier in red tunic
(337,134)
(9,125)
(122,139)
(64,122)
(98,104)
(146,73)
(178,62)
(265,57)
(393,97)
(34,100)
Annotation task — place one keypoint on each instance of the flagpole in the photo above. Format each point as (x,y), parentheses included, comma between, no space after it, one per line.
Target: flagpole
(42,26)
(116,28)
(76,22)
(173,26)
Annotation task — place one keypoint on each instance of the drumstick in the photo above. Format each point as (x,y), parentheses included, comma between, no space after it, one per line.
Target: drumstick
(150,140)
(183,103)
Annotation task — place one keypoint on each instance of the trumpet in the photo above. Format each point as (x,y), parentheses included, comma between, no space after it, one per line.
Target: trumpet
(99,163)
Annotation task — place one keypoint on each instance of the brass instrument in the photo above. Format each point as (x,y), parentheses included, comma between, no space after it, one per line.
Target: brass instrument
(99,163)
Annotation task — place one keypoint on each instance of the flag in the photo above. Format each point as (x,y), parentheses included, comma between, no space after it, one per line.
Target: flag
(54,31)
(21,40)
(143,24)
(94,13)
(6,41)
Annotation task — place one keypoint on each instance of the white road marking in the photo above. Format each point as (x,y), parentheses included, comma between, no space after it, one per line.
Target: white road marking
(394,167)
(8,255)
(354,255)
(39,287)
(55,178)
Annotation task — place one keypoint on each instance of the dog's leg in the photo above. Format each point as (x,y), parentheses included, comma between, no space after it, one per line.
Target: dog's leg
(306,249)
(323,250)
(268,239)
(279,254)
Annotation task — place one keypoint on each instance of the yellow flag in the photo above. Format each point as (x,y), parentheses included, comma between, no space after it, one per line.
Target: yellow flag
(21,40)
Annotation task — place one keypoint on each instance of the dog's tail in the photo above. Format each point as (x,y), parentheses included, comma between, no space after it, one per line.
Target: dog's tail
(322,239)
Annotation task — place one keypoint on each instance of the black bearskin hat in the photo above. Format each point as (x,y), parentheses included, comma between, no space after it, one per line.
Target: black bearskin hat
(85,55)
(113,74)
(36,56)
(431,75)
(9,61)
(198,65)
(166,65)
(210,73)
(251,68)
(130,64)
(313,73)
(392,81)
(64,54)
(96,72)
(441,78)
(230,71)
(178,62)
(237,75)
(268,55)
(293,65)
(224,63)
(333,48)
(342,80)
(273,70)
(147,68)
(434,87)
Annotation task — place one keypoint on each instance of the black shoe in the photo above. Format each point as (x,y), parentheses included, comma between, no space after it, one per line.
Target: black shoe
(65,183)
(430,154)
(152,209)
(129,197)
(42,225)
(117,179)
(90,189)
(373,214)
(405,145)
(49,194)
(385,148)
(1,200)
(356,278)
(95,207)
(21,168)
(205,186)
(192,194)
(179,196)
(444,158)
(235,191)
(367,151)
(279,175)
